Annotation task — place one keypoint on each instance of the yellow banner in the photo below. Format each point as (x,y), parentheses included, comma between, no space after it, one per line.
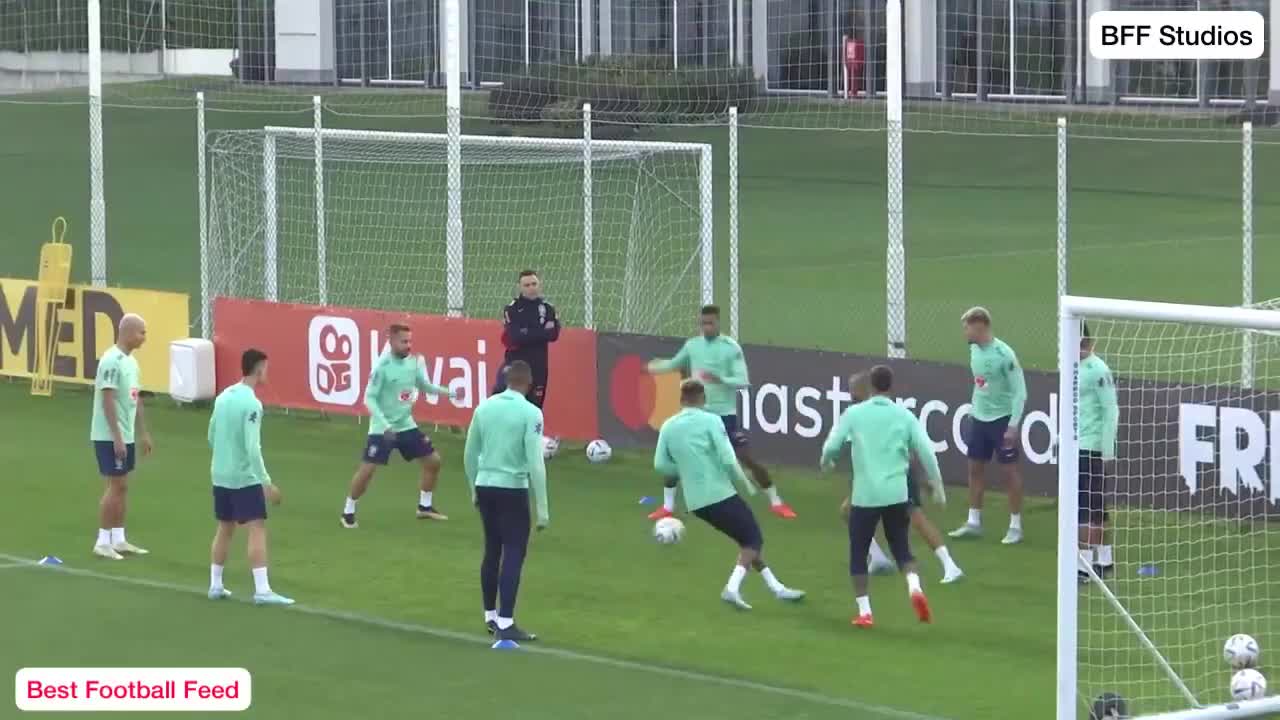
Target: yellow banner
(89,319)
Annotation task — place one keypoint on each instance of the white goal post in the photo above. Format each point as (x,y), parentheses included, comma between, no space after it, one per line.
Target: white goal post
(1192,508)
(337,210)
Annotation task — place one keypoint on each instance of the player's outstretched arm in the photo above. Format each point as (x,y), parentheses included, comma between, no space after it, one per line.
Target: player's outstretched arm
(425,385)
(679,362)
(537,469)
(1018,386)
(836,439)
(471,454)
(253,443)
(371,393)
(922,448)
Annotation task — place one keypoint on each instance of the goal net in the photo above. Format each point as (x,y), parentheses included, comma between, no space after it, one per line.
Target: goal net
(1191,532)
(621,234)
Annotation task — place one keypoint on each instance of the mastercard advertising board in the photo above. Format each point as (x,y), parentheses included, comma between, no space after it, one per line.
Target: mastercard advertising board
(321,358)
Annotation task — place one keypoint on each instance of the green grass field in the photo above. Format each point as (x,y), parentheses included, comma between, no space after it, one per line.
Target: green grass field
(391,618)
(390,612)
(1149,219)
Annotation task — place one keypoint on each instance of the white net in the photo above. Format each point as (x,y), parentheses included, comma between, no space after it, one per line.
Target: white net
(372,233)
(1193,509)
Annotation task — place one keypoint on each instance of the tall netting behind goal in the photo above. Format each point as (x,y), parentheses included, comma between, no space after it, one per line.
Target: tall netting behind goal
(1191,531)
(623,246)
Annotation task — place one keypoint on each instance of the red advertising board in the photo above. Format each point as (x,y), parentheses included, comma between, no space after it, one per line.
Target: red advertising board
(320,359)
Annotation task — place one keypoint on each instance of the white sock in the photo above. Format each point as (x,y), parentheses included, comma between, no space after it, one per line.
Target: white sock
(490,615)
(504,623)
(104,536)
(260,584)
(1104,555)
(117,536)
(948,565)
(772,581)
(1015,521)
(424,498)
(877,555)
(975,516)
(735,579)
(913,583)
(864,605)
(772,492)
(215,576)
(669,499)
(349,508)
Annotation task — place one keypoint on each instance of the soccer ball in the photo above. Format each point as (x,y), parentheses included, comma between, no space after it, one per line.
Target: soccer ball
(1248,684)
(550,446)
(668,531)
(1241,651)
(598,451)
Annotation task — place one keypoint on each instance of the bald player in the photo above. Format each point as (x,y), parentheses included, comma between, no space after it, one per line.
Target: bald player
(117,422)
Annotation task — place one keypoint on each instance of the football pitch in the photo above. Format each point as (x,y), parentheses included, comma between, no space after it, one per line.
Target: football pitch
(1148,219)
(390,617)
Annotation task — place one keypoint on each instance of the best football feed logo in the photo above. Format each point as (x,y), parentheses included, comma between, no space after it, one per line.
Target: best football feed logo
(334,360)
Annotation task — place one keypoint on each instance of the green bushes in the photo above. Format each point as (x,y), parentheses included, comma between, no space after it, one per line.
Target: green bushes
(638,91)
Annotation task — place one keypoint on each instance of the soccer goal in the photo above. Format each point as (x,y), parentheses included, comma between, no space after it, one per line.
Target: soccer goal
(1194,519)
(620,231)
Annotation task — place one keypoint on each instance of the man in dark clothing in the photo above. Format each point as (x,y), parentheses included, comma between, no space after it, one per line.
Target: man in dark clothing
(528,324)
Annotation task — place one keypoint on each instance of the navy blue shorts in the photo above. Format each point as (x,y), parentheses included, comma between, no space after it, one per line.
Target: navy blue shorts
(862,530)
(412,444)
(1093,506)
(108,465)
(733,517)
(239,505)
(737,435)
(986,439)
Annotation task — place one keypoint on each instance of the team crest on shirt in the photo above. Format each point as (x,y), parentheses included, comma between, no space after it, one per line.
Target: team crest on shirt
(406,396)
(133,394)
(980,381)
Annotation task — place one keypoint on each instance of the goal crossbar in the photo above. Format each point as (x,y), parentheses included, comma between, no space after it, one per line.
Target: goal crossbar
(1072,310)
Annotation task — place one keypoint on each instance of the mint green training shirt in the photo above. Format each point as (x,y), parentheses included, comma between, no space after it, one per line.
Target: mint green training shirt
(694,447)
(504,448)
(392,387)
(999,387)
(1099,409)
(720,355)
(118,372)
(883,436)
(235,436)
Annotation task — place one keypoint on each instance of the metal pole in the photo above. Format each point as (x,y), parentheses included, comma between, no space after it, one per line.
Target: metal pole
(364,46)
(268,61)
(980,60)
(164,34)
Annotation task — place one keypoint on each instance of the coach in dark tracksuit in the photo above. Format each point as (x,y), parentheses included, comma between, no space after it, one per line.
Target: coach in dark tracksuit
(529,323)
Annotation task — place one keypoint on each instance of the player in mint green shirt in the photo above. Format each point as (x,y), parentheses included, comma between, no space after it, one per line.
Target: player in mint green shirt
(504,462)
(883,437)
(999,398)
(717,362)
(1099,418)
(118,421)
(394,383)
(695,453)
(241,484)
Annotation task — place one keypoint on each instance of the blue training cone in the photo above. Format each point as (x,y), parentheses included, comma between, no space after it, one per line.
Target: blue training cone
(50,560)
(506,645)
(646,500)
(1148,571)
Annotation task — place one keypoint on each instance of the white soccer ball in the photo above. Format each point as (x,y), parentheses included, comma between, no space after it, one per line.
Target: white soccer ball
(1248,684)
(598,451)
(550,446)
(1240,651)
(668,531)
